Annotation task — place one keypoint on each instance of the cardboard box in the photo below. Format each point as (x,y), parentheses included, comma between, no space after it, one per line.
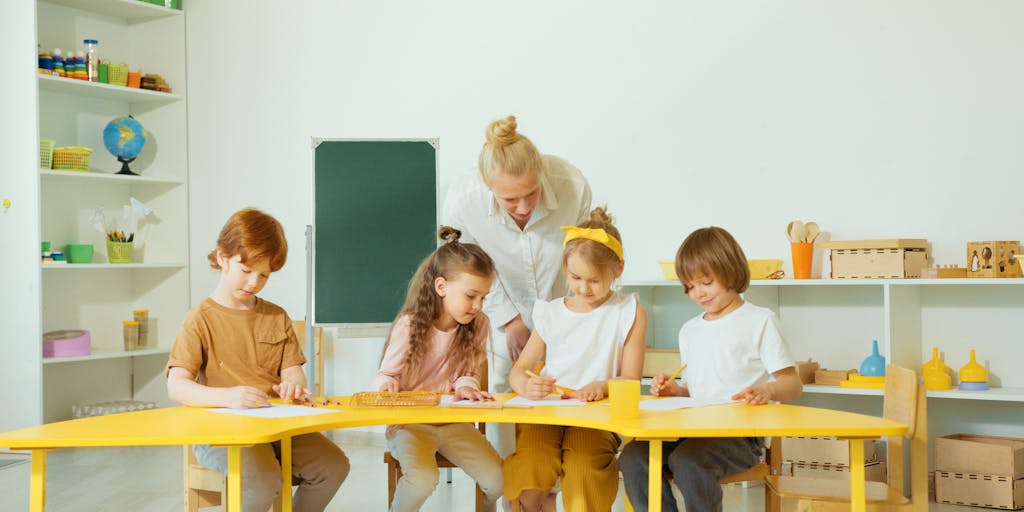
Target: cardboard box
(868,259)
(824,450)
(873,471)
(981,455)
(658,360)
(993,491)
(831,377)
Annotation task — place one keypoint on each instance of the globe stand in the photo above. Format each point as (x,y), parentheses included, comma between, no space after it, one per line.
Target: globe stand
(124,166)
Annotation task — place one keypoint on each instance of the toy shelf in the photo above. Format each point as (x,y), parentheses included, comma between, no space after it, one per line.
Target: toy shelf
(114,266)
(108,92)
(106,177)
(132,11)
(108,354)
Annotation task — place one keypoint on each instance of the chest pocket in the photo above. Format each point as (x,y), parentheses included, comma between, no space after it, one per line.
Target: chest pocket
(270,350)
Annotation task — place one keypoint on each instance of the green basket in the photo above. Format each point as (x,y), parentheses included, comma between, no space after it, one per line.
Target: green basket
(119,252)
(46,153)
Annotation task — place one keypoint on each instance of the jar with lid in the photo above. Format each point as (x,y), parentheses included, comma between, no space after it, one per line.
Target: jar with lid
(131,335)
(92,61)
(142,317)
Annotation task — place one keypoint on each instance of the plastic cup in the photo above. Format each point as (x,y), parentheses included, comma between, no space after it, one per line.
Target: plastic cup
(624,397)
(803,255)
(79,253)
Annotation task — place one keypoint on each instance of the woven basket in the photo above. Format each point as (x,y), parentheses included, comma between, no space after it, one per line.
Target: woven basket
(46,153)
(71,158)
(118,74)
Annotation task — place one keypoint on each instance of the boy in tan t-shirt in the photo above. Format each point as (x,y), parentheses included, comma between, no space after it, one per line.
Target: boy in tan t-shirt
(234,335)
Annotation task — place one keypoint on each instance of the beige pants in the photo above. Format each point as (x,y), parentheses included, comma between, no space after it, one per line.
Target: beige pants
(582,458)
(415,447)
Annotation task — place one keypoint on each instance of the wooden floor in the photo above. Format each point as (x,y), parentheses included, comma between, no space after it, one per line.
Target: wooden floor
(150,480)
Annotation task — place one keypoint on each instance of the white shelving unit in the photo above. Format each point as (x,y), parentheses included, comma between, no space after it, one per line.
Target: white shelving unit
(99,295)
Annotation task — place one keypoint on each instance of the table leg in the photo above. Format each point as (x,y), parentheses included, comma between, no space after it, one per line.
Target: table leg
(234,477)
(37,500)
(858,502)
(286,474)
(654,476)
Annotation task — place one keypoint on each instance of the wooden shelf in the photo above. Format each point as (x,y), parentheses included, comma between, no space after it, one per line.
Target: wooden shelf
(116,266)
(107,354)
(106,177)
(105,91)
(132,11)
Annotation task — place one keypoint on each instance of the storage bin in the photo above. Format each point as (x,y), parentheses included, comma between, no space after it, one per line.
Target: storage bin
(46,153)
(873,259)
(119,252)
(118,74)
(824,450)
(66,343)
(71,158)
(79,253)
(971,453)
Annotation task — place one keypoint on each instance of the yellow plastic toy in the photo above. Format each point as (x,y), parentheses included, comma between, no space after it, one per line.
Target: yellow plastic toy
(936,373)
(973,376)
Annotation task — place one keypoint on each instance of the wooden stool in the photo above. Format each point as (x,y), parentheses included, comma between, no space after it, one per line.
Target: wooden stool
(205,487)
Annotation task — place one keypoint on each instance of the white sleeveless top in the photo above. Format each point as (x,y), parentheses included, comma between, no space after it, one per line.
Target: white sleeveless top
(584,347)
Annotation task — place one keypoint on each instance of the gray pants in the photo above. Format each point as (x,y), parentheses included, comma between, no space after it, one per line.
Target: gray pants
(696,465)
(318,467)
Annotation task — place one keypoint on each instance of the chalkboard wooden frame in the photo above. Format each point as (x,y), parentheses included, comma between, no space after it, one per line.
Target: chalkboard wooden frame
(375,217)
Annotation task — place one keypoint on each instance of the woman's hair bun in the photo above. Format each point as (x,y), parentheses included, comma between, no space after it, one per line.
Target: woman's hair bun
(449,234)
(503,131)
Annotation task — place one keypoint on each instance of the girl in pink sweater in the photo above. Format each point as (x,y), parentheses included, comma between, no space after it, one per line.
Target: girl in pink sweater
(437,343)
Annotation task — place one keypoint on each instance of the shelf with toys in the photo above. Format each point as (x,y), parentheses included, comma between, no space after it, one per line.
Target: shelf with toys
(124,270)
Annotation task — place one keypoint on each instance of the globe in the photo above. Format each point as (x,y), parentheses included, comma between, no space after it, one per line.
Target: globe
(124,137)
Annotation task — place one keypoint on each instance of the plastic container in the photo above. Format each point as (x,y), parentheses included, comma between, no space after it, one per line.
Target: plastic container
(92,61)
(873,365)
(79,253)
(71,158)
(119,252)
(104,72)
(142,317)
(131,335)
(46,153)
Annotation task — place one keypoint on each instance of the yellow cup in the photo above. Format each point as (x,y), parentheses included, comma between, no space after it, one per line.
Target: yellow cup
(624,396)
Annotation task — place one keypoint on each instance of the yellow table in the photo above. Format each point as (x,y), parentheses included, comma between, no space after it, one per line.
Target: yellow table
(188,425)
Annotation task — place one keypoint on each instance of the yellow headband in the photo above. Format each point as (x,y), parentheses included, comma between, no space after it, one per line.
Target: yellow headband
(598,235)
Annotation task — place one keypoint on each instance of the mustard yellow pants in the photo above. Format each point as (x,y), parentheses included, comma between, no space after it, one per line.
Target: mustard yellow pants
(583,458)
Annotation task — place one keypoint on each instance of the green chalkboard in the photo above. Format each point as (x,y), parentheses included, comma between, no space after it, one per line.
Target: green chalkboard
(375,219)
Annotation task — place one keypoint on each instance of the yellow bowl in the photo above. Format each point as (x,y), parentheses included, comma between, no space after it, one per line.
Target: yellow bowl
(762,269)
(668,269)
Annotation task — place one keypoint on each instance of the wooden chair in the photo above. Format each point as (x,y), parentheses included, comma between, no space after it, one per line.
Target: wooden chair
(205,487)
(770,466)
(904,402)
(395,469)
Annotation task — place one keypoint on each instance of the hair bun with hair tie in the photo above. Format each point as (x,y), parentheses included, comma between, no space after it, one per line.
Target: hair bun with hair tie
(449,234)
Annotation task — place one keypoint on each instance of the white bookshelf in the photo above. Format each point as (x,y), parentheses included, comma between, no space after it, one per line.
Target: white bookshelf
(97,296)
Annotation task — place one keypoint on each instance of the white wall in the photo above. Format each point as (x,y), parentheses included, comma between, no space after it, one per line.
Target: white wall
(20,334)
(877,119)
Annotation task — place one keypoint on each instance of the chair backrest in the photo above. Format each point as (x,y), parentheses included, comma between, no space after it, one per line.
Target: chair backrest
(905,402)
(299,326)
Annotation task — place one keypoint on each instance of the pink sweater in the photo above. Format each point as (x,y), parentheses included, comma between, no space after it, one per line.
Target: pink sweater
(438,372)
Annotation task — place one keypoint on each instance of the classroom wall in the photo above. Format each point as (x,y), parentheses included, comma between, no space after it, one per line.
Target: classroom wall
(20,333)
(877,119)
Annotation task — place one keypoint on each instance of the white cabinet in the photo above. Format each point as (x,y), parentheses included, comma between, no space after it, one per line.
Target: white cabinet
(98,296)
(834,321)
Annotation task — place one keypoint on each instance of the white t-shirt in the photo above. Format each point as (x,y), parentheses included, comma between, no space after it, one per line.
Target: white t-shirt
(529,260)
(584,347)
(729,354)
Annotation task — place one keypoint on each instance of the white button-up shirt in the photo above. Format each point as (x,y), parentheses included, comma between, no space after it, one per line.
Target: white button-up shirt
(529,260)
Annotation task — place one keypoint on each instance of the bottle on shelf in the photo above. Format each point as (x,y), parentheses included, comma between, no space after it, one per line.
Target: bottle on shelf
(92,61)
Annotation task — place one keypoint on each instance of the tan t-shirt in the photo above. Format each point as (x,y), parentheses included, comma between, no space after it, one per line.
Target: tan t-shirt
(255,344)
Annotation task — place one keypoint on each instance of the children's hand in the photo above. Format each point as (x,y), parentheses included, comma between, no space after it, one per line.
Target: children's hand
(468,393)
(291,391)
(245,397)
(390,386)
(539,387)
(589,393)
(661,385)
(756,395)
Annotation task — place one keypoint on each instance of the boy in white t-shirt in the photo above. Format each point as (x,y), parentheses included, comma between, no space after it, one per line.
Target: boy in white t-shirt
(733,351)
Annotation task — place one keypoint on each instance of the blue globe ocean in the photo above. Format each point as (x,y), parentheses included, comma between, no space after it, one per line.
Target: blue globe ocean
(125,137)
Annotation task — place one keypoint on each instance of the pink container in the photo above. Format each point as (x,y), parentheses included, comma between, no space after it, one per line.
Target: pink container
(67,342)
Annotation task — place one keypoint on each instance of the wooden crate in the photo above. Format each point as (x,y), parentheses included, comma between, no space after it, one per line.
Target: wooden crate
(827,377)
(867,259)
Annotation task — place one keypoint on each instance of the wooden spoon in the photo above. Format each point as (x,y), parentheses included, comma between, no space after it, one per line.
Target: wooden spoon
(796,231)
(812,231)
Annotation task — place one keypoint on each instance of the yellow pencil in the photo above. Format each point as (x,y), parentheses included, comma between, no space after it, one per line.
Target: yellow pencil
(675,374)
(562,390)
(232,373)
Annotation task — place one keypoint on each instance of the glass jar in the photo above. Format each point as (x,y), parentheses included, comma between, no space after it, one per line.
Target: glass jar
(92,61)
(142,317)
(131,335)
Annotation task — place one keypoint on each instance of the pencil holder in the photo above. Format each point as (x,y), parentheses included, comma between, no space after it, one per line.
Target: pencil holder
(624,397)
(119,252)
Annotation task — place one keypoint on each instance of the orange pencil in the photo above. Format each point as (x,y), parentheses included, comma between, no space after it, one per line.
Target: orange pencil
(562,390)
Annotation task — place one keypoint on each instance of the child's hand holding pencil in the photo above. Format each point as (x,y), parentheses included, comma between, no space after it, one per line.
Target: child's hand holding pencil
(663,385)
(247,397)
(540,387)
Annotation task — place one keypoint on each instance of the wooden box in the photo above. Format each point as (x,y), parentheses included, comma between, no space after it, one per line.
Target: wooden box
(831,377)
(993,259)
(805,370)
(866,259)
(978,490)
(978,454)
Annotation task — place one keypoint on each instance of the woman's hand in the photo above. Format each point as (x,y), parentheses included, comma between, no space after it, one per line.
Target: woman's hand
(516,336)
(468,393)
(590,393)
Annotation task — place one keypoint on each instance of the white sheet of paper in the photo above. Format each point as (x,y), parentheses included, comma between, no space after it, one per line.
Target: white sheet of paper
(276,411)
(449,401)
(677,402)
(550,400)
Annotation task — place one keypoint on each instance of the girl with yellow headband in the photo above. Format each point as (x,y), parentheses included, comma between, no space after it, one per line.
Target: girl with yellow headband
(584,339)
